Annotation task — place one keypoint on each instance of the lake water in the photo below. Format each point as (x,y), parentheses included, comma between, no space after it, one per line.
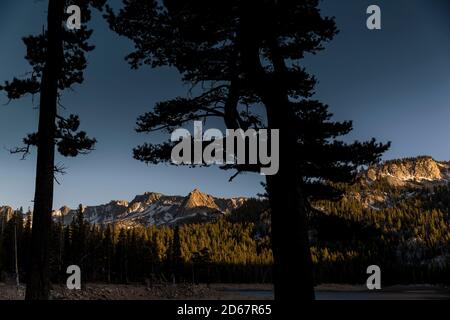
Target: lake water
(394,293)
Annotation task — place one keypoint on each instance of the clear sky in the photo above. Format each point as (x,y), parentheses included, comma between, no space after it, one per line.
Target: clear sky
(393,83)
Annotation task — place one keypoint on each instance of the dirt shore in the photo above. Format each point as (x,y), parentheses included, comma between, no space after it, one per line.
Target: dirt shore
(141,292)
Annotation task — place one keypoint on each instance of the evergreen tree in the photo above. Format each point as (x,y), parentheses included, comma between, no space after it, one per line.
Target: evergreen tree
(201,261)
(175,257)
(68,248)
(26,244)
(239,55)
(121,258)
(57,57)
(80,230)
(108,252)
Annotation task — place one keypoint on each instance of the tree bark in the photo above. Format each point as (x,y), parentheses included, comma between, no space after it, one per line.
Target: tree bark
(38,286)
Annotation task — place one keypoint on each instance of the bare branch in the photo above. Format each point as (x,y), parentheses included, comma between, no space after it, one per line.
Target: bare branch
(238,172)
(25,151)
(58,169)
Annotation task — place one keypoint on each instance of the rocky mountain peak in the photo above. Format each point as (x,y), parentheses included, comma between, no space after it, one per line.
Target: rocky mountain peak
(63,211)
(146,198)
(401,172)
(120,203)
(196,199)
(153,208)
(6,213)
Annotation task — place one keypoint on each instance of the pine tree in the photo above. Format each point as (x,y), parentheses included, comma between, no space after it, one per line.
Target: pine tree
(57,57)
(239,55)
(121,257)
(18,224)
(25,245)
(175,257)
(79,238)
(108,252)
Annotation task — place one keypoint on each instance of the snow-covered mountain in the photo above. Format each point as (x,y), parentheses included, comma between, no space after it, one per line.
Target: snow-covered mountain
(154,209)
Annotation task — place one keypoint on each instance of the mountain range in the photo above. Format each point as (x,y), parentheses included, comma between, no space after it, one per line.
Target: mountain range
(153,208)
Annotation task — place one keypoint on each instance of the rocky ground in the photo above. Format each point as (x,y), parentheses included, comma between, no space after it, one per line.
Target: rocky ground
(142,292)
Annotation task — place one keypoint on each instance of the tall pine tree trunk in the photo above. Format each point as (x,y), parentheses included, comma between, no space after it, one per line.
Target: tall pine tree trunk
(38,286)
(293,278)
(293,274)
(288,203)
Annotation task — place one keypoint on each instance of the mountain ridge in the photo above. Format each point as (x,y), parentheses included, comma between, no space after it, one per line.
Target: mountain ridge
(415,171)
(152,208)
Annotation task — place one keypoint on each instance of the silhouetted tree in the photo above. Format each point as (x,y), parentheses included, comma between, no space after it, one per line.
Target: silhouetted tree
(79,237)
(121,258)
(108,252)
(239,55)
(57,57)
(175,257)
(201,260)
(26,244)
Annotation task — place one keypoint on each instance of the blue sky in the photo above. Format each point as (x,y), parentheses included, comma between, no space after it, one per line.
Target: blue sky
(393,83)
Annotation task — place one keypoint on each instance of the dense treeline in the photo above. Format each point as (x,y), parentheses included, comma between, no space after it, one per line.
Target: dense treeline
(221,251)
(408,238)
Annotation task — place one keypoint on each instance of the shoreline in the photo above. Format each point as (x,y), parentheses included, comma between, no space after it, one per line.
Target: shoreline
(221,291)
